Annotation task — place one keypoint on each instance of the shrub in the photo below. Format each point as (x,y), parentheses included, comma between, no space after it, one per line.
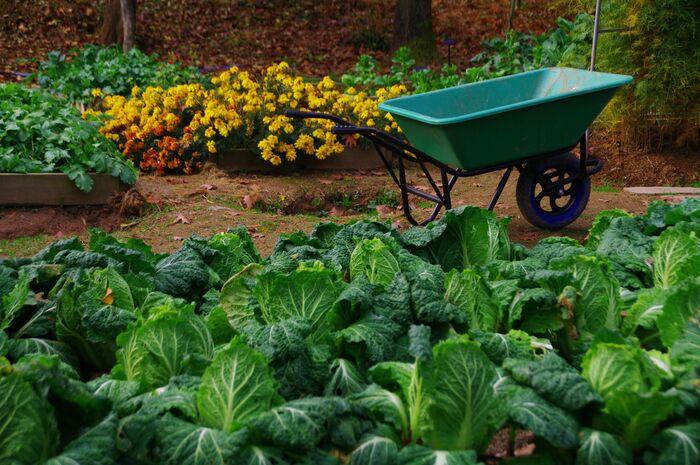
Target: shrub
(40,134)
(662,51)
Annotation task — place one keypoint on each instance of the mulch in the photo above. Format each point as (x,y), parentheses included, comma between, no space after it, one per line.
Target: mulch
(317,38)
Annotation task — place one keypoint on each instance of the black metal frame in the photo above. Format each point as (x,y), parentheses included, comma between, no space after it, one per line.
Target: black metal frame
(448,175)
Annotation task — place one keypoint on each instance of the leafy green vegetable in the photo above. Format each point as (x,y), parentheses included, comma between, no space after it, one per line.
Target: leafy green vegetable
(464,238)
(235,387)
(461,397)
(419,455)
(96,446)
(181,273)
(682,303)
(107,68)
(188,444)
(374,259)
(601,448)
(301,424)
(542,418)
(235,250)
(41,134)
(555,380)
(598,306)
(676,257)
(30,433)
(349,345)
(375,450)
(170,342)
(678,445)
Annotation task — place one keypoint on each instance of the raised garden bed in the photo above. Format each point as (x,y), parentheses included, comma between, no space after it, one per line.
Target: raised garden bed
(55,189)
(353,158)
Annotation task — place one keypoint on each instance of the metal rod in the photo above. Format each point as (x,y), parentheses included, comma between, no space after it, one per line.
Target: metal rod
(424,195)
(499,189)
(596,31)
(614,29)
(445,189)
(583,153)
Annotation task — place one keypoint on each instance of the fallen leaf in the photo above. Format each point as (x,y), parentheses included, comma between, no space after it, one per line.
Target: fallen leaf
(384,209)
(177,238)
(338,177)
(180,218)
(128,225)
(398,224)
(250,200)
(349,140)
(108,298)
(337,211)
(220,208)
(325,182)
(524,450)
(207,187)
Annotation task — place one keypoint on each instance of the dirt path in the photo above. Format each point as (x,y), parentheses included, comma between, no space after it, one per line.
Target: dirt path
(270,205)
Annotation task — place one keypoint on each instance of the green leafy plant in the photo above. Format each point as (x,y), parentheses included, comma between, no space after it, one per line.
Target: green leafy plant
(109,69)
(661,106)
(360,342)
(567,45)
(41,134)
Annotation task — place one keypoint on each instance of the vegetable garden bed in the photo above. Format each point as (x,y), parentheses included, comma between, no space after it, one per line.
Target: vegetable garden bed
(55,189)
(358,345)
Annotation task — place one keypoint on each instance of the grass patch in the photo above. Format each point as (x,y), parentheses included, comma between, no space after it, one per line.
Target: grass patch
(24,246)
(606,187)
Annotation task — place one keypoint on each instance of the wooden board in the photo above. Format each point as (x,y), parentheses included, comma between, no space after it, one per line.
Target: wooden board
(653,190)
(353,158)
(54,189)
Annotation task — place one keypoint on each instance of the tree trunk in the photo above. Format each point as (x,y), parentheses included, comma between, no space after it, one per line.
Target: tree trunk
(128,8)
(119,23)
(514,5)
(413,27)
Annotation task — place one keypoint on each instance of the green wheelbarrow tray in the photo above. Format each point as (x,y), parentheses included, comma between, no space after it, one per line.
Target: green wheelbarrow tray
(493,122)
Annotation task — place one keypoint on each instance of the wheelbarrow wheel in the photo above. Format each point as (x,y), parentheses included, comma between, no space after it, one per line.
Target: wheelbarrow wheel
(551,207)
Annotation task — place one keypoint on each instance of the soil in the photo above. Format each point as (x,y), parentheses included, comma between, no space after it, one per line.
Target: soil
(499,448)
(629,166)
(270,205)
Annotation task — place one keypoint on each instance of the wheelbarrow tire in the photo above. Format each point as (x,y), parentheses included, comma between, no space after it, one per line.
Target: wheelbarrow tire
(552,208)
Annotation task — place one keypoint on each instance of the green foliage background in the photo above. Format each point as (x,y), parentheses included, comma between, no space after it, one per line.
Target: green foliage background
(662,52)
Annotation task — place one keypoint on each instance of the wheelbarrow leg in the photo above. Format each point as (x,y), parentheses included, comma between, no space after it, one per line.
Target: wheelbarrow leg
(499,189)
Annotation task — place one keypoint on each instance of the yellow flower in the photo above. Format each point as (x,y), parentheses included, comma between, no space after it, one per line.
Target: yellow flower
(96,93)
(211,146)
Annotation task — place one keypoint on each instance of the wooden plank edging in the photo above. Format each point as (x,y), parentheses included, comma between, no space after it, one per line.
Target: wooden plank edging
(55,189)
(352,158)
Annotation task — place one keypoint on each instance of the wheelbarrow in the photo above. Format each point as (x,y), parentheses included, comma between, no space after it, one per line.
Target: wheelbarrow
(529,121)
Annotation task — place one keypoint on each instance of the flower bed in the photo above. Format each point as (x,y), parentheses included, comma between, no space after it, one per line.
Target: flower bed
(173,130)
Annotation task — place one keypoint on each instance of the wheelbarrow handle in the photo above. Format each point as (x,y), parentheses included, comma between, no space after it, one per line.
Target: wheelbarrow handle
(315,115)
